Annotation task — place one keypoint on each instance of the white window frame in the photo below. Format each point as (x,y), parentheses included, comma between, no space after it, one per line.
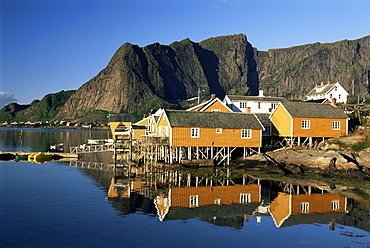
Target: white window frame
(218,130)
(246,133)
(336,125)
(335,205)
(217,201)
(148,128)
(245,198)
(274,105)
(193,201)
(216,110)
(243,104)
(259,105)
(305,207)
(195,132)
(306,124)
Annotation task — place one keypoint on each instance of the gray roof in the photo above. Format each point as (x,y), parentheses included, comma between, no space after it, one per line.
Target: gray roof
(236,98)
(324,89)
(264,118)
(179,118)
(314,110)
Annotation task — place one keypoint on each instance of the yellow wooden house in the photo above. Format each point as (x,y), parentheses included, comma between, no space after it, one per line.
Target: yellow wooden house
(120,126)
(295,120)
(187,130)
(150,123)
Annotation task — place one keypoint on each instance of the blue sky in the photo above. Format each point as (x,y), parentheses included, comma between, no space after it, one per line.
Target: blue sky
(53,45)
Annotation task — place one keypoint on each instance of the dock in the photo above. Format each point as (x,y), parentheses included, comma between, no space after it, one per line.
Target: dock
(59,156)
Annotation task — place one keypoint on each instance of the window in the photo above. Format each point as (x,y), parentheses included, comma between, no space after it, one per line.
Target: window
(194,132)
(216,110)
(259,105)
(148,128)
(305,207)
(335,205)
(218,130)
(339,96)
(267,130)
(243,104)
(245,198)
(149,120)
(217,201)
(336,125)
(246,133)
(273,105)
(305,124)
(193,201)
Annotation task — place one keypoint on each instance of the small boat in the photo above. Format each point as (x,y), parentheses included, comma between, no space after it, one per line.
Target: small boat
(19,157)
(39,157)
(6,156)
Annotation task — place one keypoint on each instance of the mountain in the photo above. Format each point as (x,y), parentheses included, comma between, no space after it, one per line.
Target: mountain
(293,72)
(140,79)
(44,110)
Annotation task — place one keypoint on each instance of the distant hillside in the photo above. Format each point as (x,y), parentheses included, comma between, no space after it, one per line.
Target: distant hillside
(44,110)
(140,79)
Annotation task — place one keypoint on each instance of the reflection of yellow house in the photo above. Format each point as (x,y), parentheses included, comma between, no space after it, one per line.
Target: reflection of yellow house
(117,190)
(218,195)
(190,197)
(162,203)
(285,205)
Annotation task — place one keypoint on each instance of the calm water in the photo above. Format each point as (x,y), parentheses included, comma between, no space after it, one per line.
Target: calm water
(87,204)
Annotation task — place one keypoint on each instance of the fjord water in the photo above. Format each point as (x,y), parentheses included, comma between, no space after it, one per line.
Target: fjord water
(87,204)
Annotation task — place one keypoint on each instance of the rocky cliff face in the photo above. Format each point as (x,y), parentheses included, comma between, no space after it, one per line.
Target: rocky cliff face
(294,71)
(140,78)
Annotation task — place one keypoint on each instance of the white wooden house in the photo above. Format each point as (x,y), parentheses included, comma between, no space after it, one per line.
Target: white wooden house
(253,104)
(329,91)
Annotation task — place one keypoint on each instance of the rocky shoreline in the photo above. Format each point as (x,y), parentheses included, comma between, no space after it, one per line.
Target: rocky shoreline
(349,155)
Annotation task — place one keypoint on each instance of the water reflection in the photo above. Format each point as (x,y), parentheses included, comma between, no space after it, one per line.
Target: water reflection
(226,198)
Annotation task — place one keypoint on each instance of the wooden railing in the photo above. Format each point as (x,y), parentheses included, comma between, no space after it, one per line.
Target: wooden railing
(91,148)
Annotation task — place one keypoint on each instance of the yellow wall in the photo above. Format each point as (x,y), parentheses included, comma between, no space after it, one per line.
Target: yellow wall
(114,125)
(209,138)
(318,203)
(145,122)
(138,133)
(281,121)
(318,128)
(216,106)
(280,208)
(180,197)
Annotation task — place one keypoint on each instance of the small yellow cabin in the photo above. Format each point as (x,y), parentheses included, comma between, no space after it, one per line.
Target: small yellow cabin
(299,119)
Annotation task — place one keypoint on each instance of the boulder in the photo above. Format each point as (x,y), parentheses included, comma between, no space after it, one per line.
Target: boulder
(364,159)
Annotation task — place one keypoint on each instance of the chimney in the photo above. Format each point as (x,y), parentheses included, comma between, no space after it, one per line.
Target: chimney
(213,96)
(334,102)
(260,93)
